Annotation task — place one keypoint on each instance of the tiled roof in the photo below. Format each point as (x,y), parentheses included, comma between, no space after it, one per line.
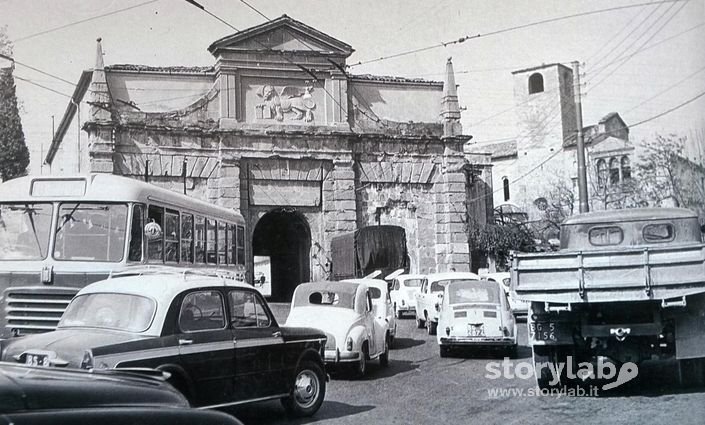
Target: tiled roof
(393,79)
(497,150)
(162,69)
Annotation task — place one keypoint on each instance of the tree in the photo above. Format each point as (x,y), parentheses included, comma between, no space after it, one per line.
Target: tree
(14,155)
(667,177)
(499,239)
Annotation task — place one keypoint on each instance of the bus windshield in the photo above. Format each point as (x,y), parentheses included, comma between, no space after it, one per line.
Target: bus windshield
(24,231)
(91,232)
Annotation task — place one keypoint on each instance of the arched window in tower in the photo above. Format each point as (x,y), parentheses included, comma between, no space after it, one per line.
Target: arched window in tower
(601,173)
(505,185)
(626,168)
(614,171)
(535,83)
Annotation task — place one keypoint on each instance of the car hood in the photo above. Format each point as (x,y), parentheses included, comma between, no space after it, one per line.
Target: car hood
(331,320)
(34,388)
(65,345)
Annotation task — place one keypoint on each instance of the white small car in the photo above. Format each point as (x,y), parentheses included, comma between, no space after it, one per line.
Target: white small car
(428,299)
(346,313)
(403,293)
(519,307)
(379,291)
(476,314)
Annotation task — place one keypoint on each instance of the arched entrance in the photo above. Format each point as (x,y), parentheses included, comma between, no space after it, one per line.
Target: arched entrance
(283,235)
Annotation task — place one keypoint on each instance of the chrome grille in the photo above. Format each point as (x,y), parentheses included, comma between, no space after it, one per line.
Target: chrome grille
(29,311)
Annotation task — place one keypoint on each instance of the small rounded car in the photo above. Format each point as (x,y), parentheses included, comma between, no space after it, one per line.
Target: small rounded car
(403,292)
(216,337)
(346,313)
(428,299)
(476,314)
(382,304)
(519,307)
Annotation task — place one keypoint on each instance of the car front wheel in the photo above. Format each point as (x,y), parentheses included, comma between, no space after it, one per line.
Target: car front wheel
(308,392)
(420,323)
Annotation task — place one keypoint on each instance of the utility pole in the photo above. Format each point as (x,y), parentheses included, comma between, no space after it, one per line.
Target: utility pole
(582,174)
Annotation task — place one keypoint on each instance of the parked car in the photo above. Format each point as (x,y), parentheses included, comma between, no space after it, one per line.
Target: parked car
(403,293)
(428,299)
(476,314)
(40,395)
(382,304)
(216,337)
(345,312)
(519,307)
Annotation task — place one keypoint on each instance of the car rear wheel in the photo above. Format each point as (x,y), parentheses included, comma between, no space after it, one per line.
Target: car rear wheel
(398,313)
(420,323)
(431,327)
(308,391)
(384,357)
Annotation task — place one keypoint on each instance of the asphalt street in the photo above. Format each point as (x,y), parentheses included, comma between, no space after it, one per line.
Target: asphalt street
(420,387)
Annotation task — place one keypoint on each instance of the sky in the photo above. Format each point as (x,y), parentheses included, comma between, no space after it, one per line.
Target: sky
(640,59)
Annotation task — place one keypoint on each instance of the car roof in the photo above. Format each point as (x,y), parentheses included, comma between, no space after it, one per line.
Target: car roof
(159,286)
(434,277)
(410,276)
(378,283)
(629,214)
(328,285)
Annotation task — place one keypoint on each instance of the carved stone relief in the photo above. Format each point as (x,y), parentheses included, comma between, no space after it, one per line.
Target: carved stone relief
(290,100)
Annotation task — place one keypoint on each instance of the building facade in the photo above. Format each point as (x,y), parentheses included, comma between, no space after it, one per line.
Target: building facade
(279,130)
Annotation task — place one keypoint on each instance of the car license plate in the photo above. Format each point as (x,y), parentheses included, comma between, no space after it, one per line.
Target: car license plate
(36,360)
(476,330)
(543,331)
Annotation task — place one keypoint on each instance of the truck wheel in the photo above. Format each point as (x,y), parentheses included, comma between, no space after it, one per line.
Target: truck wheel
(691,372)
(544,356)
(308,391)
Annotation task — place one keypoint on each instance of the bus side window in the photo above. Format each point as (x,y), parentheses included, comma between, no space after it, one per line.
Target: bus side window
(155,244)
(187,238)
(232,248)
(240,245)
(222,243)
(136,232)
(171,236)
(211,240)
(200,239)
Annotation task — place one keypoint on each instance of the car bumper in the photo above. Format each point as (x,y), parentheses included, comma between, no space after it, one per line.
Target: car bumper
(478,341)
(406,307)
(336,356)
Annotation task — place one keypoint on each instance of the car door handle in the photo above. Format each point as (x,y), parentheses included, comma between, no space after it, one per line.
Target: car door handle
(185,341)
(277,334)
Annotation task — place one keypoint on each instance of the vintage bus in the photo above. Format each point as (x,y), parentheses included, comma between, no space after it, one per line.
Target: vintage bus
(58,234)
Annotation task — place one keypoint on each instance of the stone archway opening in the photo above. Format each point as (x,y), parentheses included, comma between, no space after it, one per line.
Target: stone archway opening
(284,236)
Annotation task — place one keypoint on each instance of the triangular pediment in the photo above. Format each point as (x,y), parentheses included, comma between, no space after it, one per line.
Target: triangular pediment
(282,34)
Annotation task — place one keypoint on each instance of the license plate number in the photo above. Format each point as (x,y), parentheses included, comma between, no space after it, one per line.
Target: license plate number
(543,331)
(474,330)
(36,360)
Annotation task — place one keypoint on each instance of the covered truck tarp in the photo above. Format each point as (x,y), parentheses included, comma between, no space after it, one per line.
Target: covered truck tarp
(371,248)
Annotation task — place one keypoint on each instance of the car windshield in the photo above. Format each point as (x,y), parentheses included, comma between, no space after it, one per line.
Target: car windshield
(413,283)
(24,231)
(91,232)
(439,285)
(342,297)
(125,312)
(473,292)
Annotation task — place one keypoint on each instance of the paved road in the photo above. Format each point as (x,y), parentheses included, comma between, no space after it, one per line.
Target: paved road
(419,387)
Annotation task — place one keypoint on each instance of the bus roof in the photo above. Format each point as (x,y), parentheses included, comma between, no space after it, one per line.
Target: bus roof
(105,188)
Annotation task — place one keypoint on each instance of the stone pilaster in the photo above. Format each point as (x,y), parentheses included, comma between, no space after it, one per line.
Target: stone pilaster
(339,205)
(227,183)
(452,248)
(101,148)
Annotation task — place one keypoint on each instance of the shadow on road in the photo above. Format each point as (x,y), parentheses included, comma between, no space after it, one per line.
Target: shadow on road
(655,379)
(375,371)
(404,343)
(273,413)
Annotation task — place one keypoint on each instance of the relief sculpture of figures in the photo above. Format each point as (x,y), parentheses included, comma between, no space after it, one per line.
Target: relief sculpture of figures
(290,99)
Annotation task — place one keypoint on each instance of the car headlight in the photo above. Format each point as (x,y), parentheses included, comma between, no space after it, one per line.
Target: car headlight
(349,344)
